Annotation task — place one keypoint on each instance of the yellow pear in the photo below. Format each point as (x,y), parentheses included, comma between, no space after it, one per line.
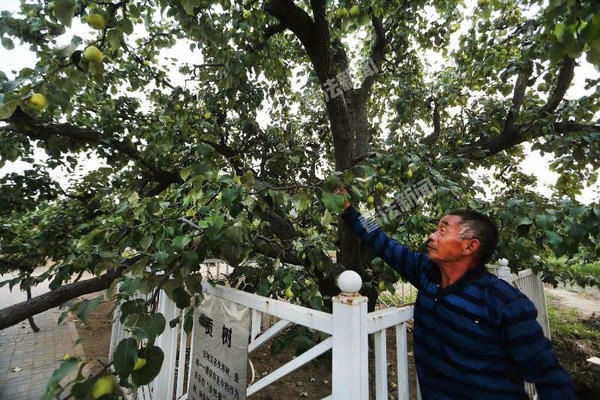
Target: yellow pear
(288,293)
(38,101)
(96,21)
(103,386)
(139,364)
(93,54)
(341,13)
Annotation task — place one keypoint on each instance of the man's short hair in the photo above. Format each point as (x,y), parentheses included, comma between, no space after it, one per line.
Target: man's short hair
(484,229)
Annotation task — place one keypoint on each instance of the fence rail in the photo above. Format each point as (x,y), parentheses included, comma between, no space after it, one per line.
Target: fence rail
(349,327)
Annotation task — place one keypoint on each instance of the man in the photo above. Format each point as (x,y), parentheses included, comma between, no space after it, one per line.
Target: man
(475,336)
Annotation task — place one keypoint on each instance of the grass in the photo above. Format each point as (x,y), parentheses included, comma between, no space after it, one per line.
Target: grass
(574,340)
(590,269)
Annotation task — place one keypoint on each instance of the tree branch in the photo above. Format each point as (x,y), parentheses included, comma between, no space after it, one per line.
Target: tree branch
(513,133)
(26,125)
(294,18)
(496,144)
(14,314)
(377,54)
(428,140)
(272,248)
(518,94)
(565,77)
(314,36)
(270,30)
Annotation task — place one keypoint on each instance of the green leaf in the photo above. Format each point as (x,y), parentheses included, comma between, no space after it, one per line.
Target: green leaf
(114,37)
(182,298)
(132,307)
(63,10)
(153,324)
(86,307)
(161,256)
(185,173)
(154,359)
(82,389)
(189,5)
(146,242)
(301,200)
(576,230)
(146,326)
(356,193)
(216,223)
(8,109)
(333,202)
(559,31)
(524,221)
(554,239)
(58,375)
(326,218)
(180,242)
(124,357)
(125,26)
(203,148)
(8,43)
(230,195)
(545,221)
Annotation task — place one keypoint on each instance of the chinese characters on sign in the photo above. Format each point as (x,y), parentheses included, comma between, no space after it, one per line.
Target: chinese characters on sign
(220,351)
(406,200)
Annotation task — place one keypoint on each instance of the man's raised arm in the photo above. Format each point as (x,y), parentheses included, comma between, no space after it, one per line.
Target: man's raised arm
(408,263)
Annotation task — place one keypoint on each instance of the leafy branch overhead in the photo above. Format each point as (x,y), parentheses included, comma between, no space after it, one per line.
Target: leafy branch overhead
(194,129)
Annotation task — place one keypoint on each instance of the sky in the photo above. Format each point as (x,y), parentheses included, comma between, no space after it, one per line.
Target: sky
(20,56)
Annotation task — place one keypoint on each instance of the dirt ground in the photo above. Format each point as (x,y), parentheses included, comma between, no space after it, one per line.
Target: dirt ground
(586,301)
(95,335)
(313,381)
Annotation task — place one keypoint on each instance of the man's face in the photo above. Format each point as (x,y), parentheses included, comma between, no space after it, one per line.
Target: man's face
(451,241)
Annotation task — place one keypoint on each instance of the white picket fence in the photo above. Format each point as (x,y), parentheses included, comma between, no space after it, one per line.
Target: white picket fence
(348,327)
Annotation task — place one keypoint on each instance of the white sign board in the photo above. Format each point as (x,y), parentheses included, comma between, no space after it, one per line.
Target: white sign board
(220,359)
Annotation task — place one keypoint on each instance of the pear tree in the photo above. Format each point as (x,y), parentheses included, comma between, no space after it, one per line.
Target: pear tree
(224,127)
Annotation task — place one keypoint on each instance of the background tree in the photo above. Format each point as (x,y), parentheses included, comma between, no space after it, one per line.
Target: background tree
(191,169)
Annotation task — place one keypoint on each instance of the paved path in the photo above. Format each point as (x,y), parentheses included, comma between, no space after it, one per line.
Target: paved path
(587,302)
(28,359)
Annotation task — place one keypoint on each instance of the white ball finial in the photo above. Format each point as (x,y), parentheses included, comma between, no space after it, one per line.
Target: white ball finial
(503,262)
(349,282)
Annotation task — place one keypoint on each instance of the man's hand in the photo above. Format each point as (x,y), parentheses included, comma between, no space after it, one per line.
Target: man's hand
(343,192)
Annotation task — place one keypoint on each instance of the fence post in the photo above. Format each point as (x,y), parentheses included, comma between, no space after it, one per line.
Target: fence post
(504,270)
(350,372)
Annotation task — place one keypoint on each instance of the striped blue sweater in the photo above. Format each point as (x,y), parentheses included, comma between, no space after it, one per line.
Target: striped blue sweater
(475,339)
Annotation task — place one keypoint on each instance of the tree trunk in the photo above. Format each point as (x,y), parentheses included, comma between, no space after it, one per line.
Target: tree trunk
(349,124)
(30,319)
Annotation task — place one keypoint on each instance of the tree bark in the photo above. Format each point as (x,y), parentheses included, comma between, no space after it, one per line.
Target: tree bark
(30,319)
(14,314)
